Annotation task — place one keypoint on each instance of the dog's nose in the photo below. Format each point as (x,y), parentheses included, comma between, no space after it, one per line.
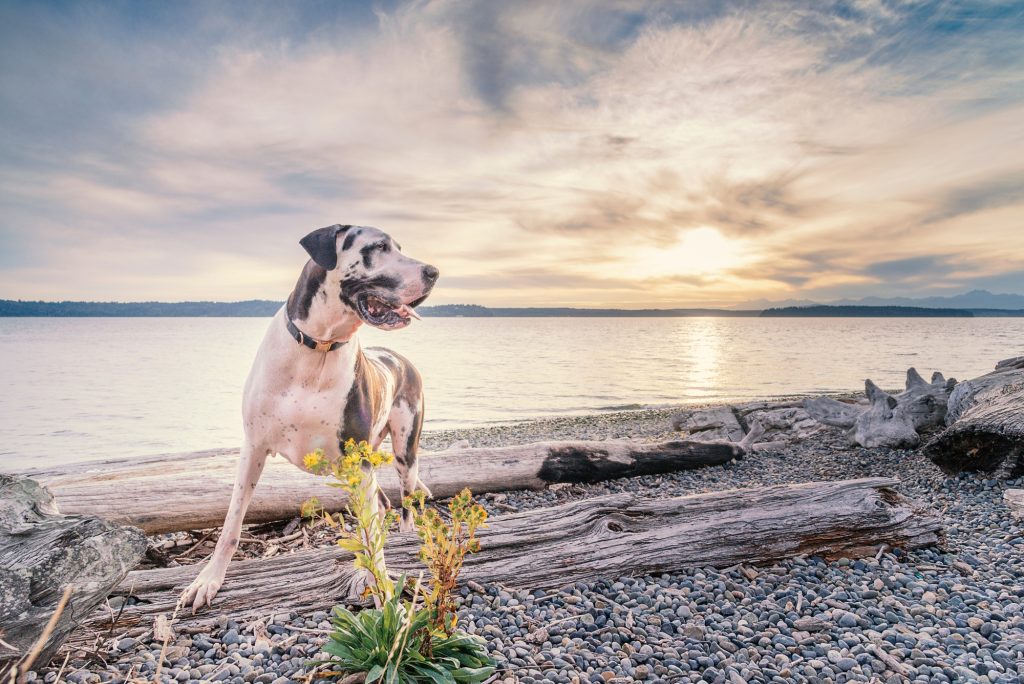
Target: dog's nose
(430,274)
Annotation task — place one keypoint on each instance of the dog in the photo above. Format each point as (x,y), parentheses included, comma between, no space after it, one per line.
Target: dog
(311,385)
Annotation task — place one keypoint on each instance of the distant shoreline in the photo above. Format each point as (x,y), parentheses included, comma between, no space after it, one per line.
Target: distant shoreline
(258,308)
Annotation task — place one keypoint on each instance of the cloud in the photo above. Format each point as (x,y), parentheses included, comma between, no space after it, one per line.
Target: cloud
(993,193)
(538,152)
(896,270)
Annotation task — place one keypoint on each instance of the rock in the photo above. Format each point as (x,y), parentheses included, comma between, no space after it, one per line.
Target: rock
(43,552)
(126,644)
(846,664)
(694,632)
(811,624)
(848,620)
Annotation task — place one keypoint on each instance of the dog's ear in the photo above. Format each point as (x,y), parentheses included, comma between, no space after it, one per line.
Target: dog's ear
(322,247)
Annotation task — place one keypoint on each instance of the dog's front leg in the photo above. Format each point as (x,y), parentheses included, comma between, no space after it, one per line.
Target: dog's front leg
(208,582)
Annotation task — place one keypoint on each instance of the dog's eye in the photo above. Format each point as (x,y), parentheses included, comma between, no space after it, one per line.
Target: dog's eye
(381,246)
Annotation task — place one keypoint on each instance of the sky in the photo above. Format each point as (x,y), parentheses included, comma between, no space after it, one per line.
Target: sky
(578,153)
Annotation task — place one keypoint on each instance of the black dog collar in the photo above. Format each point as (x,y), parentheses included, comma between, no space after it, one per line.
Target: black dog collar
(312,343)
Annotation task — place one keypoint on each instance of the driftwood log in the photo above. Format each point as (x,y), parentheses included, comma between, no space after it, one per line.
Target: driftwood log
(888,420)
(43,552)
(986,424)
(759,424)
(583,540)
(192,491)
(1015,501)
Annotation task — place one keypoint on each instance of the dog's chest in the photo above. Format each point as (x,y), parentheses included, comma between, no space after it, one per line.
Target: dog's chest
(293,415)
(294,409)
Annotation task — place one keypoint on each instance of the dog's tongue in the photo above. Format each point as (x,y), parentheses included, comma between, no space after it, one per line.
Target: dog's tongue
(406,311)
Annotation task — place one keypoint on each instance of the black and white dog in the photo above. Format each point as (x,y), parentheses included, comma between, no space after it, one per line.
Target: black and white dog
(312,386)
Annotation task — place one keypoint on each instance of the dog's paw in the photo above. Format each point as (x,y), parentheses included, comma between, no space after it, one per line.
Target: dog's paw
(422,487)
(407,523)
(203,588)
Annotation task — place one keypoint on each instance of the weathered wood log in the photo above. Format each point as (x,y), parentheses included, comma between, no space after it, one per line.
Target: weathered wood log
(714,423)
(986,430)
(829,411)
(783,425)
(964,396)
(925,402)
(191,491)
(584,540)
(884,424)
(41,553)
(888,420)
(1015,501)
(781,422)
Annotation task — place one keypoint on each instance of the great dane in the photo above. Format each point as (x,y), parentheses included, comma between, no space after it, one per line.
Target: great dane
(313,387)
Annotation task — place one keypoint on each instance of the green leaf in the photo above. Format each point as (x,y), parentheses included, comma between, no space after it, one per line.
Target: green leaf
(375,673)
(432,673)
(471,675)
(392,674)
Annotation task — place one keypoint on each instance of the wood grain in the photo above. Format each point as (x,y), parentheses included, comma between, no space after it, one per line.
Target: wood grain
(191,491)
(604,537)
(986,431)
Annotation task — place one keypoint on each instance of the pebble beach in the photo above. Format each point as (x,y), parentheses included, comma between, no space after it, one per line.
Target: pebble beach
(953,613)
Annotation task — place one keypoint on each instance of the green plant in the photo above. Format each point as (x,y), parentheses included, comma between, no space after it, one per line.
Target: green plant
(355,472)
(443,549)
(402,641)
(388,644)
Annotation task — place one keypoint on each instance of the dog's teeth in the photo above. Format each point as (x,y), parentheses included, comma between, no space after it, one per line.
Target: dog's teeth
(408,311)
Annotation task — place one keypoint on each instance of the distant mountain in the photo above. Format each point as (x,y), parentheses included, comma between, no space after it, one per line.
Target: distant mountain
(975,299)
(865,312)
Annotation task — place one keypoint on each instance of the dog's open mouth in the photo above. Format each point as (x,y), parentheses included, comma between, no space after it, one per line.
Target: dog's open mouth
(385,313)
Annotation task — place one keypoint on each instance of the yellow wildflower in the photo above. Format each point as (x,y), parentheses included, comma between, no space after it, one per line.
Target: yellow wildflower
(313,459)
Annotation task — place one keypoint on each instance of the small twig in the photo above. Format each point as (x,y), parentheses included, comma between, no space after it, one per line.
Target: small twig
(356,678)
(167,637)
(307,629)
(891,662)
(195,546)
(114,619)
(37,648)
(288,537)
(62,666)
(246,539)
(614,602)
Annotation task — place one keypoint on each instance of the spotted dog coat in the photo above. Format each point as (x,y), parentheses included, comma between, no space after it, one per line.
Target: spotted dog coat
(300,397)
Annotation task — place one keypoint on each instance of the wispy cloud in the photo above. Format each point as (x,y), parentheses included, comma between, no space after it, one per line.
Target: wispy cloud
(580,153)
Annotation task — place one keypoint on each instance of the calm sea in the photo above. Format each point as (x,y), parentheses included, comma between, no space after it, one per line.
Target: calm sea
(77,389)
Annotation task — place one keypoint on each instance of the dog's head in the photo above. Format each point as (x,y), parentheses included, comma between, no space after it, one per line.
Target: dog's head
(374,279)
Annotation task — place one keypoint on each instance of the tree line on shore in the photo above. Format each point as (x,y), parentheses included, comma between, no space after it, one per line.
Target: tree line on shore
(265,307)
